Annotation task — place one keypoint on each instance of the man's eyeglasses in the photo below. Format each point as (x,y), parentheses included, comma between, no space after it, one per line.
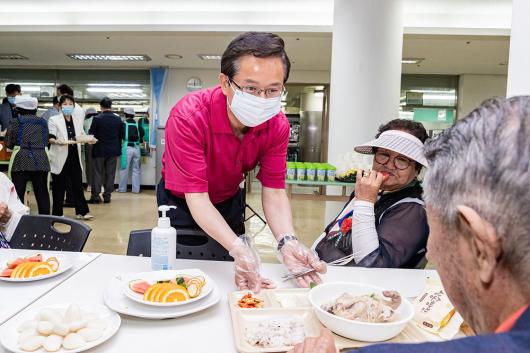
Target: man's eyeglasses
(255,91)
(400,162)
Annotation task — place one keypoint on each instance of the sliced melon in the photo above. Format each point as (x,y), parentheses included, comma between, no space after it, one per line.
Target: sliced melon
(14,263)
(139,286)
(34,258)
(6,272)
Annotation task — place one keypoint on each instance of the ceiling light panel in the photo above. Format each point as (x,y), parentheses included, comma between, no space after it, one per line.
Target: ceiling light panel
(412,60)
(210,56)
(109,57)
(12,57)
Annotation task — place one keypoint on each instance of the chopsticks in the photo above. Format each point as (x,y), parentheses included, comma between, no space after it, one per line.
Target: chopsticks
(296,275)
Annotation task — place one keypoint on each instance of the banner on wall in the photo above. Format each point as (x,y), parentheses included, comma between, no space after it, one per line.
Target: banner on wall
(158,80)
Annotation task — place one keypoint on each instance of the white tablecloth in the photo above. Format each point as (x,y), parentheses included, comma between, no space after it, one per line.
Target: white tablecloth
(16,296)
(206,331)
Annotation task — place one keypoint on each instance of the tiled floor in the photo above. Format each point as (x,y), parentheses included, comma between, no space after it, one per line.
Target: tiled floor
(113,222)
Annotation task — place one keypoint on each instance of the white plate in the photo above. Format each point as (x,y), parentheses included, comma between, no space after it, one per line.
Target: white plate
(64,265)
(154,276)
(9,334)
(116,300)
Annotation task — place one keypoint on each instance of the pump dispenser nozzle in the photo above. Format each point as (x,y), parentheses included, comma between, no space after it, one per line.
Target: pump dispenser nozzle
(164,222)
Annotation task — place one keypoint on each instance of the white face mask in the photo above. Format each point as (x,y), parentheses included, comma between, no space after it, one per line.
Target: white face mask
(252,110)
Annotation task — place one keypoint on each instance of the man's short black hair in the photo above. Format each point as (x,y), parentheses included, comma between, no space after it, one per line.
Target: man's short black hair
(13,88)
(66,97)
(106,103)
(258,44)
(65,89)
(55,100)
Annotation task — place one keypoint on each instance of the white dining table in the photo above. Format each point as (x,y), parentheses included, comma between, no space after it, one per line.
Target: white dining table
(206,331)
(14,297)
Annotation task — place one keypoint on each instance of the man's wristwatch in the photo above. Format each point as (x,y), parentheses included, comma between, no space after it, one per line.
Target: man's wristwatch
(285,239)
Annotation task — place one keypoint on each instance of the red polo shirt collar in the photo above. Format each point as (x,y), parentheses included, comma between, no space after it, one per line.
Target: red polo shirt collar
(509,323)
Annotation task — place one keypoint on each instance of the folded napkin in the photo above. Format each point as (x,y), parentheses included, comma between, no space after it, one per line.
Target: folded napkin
(435,313)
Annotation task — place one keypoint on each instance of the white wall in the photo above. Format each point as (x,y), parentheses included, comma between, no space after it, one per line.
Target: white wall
(518,73)
(474,89)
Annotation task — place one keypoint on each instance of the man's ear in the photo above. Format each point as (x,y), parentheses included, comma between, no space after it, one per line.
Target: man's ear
(485,246)
(223,81)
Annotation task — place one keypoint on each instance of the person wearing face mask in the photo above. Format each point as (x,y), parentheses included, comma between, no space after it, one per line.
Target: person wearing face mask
(65,159)
(7,108)
(77,114)
(213,136)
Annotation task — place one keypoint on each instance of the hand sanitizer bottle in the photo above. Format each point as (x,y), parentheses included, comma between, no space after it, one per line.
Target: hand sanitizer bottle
(163,243)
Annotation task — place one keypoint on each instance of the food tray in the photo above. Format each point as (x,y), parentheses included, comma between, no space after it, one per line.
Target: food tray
(282,303)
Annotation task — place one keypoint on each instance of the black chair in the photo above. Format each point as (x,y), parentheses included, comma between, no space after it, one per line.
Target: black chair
(418,261)
(192,244)
(40,233)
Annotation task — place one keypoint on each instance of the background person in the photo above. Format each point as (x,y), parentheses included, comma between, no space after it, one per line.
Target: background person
(87,148)
(132,136)
(107,128)
(65,159)
(7,109)
(78,115)
(54,110)
(27,136)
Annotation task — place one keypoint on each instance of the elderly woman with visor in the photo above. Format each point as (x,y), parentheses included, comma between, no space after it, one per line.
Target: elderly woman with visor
(384,224)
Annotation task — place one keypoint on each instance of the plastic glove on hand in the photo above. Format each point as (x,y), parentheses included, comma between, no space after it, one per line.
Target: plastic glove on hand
(247,266)
(298,258)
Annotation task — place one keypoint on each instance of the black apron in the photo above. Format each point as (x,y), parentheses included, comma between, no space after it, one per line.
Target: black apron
(232,210)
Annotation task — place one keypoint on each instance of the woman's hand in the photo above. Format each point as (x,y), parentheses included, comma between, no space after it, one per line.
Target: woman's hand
(57,142)
(5,213)
(368,185)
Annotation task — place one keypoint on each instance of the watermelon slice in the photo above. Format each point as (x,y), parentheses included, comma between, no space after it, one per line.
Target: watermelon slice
(14,263)
(34,258)
(6,272)
(139,286)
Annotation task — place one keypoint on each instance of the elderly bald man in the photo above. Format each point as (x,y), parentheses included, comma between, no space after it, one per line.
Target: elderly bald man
(477,192)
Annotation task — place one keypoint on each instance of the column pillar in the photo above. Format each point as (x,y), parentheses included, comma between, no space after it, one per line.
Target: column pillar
(365,73)
(518,64)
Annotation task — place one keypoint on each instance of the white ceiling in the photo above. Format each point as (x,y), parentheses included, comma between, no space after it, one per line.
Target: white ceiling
(309,51)
(420,16)
(437,30)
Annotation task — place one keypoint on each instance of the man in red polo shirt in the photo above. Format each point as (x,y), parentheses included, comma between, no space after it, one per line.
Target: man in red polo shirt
(214,136)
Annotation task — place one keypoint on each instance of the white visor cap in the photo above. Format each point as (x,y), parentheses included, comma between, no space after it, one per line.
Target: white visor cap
(398,141)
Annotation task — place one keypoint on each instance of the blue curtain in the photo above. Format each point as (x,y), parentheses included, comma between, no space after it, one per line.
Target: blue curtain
(158,79)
